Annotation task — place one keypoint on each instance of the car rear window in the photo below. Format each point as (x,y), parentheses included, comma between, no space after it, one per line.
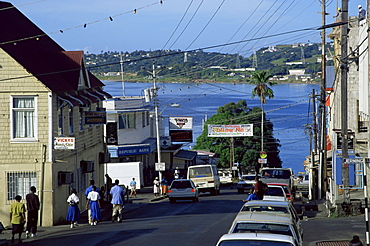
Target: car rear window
(262,228)
(280,174)
(248,177)
(275,191)
(260,208)
(181,184)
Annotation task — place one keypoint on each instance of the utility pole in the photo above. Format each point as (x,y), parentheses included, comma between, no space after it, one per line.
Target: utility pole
(323,161)
(344,89)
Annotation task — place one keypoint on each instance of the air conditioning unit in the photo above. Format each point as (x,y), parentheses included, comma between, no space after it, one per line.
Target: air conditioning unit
(87,166)
(104,157)
(65,178)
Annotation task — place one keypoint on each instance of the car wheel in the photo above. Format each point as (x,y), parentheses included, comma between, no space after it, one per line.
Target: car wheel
(218,191)
(240,191)
(172,200)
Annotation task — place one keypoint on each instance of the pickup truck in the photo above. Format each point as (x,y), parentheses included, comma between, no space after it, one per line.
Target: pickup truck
(277,175)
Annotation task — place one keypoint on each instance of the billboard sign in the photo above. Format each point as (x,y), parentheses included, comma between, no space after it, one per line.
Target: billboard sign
(181,123)
(95,117)
(244,130)
(64,143)
(181,136)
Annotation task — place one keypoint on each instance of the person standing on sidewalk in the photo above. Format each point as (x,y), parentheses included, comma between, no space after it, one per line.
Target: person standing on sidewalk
(88,190)
(157,188)
(73,214)
(133,187)
(118,202)
(17,217)
(33,206)
(94,205)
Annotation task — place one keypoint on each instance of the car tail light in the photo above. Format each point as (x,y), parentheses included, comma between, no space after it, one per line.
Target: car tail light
(169,191)
(192,190)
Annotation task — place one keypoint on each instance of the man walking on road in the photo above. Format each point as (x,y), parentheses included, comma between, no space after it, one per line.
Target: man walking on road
(33,206)
(117,193)
(133,187)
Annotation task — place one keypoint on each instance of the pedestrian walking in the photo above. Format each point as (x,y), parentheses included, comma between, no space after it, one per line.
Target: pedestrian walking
(133,187)
(88,190)
(73,214)
(259,188)
(94,205)
(33,206)
(17,217)
(157,188)
(118,201)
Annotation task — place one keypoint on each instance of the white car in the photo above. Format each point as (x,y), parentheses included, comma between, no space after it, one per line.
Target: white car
(260,239)
(246,183)
(273,223)
(183,189)
(273,207)
(275,193)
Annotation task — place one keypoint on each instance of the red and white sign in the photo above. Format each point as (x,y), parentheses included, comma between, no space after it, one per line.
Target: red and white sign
(64,143)
(181,123)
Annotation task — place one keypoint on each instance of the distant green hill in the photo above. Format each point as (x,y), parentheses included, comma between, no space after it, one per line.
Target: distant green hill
(172,64)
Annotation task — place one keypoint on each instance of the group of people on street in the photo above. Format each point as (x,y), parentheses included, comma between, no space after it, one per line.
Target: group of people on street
(18,215)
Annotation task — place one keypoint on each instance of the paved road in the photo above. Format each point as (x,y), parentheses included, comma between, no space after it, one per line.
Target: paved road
(182,223)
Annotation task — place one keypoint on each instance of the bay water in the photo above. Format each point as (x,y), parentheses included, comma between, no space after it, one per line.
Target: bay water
(290,110)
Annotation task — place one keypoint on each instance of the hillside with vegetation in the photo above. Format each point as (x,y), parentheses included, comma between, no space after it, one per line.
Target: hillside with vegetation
(180,66)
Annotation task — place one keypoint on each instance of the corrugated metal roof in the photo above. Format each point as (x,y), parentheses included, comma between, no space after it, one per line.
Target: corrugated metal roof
(42,57)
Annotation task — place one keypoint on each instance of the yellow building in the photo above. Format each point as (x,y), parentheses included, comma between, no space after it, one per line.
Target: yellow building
(51,125)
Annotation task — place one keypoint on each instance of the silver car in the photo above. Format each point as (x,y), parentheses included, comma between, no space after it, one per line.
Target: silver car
(252,239)
(183,189)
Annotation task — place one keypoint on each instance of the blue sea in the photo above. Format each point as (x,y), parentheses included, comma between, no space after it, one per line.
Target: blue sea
(290,110)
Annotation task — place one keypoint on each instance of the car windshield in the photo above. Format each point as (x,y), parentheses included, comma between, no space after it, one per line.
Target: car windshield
(242,227)
(197,172)
(274,191)
(280,174)
(253,243)
(181,184)
(260,208)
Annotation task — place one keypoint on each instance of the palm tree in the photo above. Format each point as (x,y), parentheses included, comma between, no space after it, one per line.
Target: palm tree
(261,81)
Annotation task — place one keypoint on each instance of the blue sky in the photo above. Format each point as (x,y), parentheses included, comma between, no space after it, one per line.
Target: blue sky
(178,24)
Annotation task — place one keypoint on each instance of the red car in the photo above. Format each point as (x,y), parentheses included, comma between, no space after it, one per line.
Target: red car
(288,192)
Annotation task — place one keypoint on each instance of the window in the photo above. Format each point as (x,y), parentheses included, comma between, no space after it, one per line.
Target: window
(19,183)
(81,119)
(24,117)
(127,121)
(60,121)
(71,119)
(143,119)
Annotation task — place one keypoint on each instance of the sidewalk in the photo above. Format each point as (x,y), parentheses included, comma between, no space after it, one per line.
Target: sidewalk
(144,197)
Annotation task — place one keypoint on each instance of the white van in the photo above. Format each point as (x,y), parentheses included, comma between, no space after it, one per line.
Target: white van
(206,178)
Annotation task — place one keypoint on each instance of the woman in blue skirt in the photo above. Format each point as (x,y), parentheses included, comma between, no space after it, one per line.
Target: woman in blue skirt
(93,201)
(73,214)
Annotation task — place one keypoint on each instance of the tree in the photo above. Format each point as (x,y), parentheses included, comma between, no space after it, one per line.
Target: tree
(246,149)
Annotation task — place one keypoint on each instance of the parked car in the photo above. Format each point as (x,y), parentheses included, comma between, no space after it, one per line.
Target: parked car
(277,175)
(246,183)
(226,178)
(288,192)
(273,223)
(260,239)
(303,182)
(273,207)
(183,189)
(275,193)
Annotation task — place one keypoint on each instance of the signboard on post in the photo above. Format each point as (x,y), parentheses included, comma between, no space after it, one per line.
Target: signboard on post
(181,123)
(64,143)
(244,130)
(160,167)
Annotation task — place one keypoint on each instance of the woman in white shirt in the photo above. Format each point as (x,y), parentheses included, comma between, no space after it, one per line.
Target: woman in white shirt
(73,214)
(93,201)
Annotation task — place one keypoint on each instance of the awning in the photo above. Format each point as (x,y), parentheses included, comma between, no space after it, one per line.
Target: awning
(80,99)
(91,98)
(103,93)
(72,102)
(94,94)
(185,155)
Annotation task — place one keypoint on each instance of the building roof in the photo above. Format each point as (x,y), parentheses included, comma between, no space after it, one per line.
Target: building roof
(185,154)
(41,56)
